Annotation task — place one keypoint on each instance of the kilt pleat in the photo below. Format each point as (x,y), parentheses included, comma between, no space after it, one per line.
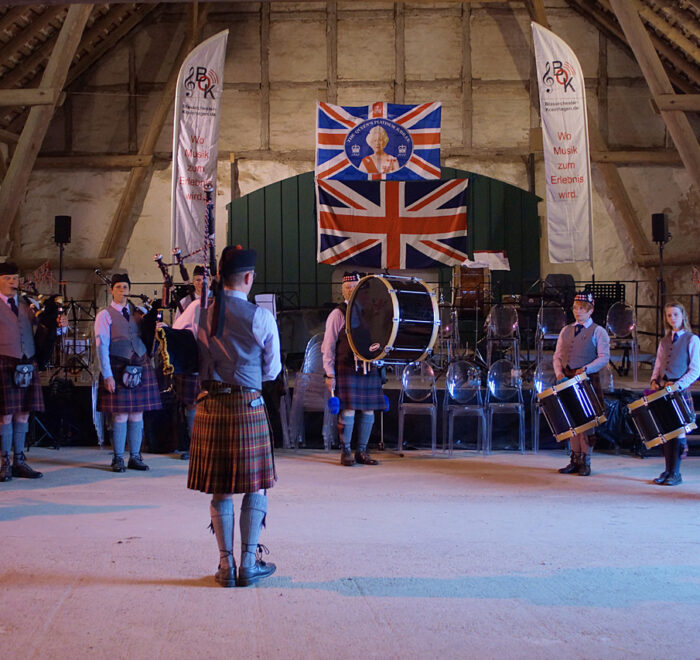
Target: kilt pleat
(186,388)
(358,391)
(230,450)
(131,400)
(15,399)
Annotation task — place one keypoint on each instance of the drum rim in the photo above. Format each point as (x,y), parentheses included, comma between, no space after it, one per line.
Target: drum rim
(384,279)
(650,398)
(555,389)
(663,438)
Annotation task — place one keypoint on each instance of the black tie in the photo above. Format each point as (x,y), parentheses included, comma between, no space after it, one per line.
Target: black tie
(13,306)
(577,329)
(125,313)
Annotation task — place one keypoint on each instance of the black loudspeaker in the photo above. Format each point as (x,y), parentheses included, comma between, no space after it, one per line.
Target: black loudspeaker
(659,227)
(61,229)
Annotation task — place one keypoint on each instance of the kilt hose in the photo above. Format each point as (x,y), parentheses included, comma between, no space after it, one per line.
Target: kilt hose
(186,388)
(15,399)
(358,391)
(131,400)
(230,450)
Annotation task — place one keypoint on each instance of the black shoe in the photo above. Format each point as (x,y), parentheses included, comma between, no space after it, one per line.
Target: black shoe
(185,456)
(252,574)
(346,456)
(673,480)
(226,577)
(118,464)
(136,463)
(573,465)
(21,469)
(5,468)
(363,458)
(661,478)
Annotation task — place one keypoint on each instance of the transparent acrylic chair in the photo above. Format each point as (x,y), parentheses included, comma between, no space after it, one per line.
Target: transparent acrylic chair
(311,395)
(502,330)
(418,397)
(544,378)
(504,394)
(550,321)
(462,397)
(622,328)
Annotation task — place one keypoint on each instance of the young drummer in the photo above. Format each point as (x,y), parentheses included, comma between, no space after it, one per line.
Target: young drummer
(677,361)
(583,347)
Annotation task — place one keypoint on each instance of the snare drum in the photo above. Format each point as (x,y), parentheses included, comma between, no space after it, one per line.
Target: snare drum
(391,318)
(662,416)
(571,407)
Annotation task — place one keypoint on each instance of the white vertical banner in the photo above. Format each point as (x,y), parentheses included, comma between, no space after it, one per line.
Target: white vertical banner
(566,148)
(200,86)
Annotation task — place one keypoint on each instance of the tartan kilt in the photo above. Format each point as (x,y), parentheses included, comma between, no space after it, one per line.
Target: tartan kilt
(15,399)
(231,450)
(358,391)
(131,400)
(186,388)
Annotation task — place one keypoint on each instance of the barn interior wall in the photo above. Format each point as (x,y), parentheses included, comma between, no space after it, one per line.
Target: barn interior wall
(475,58)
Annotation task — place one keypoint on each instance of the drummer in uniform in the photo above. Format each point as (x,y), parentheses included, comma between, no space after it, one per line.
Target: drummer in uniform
(125,396)
(677,361)
(356,390)
(231,451)
(583,347)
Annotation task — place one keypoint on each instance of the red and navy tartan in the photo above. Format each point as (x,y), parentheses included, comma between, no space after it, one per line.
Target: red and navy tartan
(358,391)
(131,400)
(15,399)
(186,388)
(230,450)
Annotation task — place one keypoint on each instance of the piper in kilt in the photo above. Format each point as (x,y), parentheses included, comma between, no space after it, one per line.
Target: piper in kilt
(677,361)
(16,346)
(231,451)
(583,347)
(120,350)
(356,390)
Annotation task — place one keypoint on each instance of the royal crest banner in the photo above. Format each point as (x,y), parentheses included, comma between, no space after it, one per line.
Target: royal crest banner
(566,148)
(392,224)
(198,94)
(382,141)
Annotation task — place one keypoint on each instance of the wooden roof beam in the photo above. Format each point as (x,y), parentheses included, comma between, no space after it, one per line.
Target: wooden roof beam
(15,183)
(677,123)
(684,102)
(33,31)
(22,97)
(123,221)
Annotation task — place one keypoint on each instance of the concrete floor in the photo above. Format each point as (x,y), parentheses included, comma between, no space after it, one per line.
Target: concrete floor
(421,557)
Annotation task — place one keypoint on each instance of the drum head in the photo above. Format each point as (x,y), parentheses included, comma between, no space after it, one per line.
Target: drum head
(544,376)
(502,321)
(371,316)
(620,320)
(418,381)
(463,381)
(503,380)
(551,320)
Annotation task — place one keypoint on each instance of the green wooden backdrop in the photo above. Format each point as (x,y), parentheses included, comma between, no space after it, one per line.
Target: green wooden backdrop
(279,222)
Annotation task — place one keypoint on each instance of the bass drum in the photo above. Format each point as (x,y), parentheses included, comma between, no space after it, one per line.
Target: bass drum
(392,319)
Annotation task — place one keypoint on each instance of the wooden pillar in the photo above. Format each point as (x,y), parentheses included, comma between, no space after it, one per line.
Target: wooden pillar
(400,53)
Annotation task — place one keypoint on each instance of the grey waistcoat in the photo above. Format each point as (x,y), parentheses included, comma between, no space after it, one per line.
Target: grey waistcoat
(676,362)
(579,350)
(124,337)
(16,332)
(236,355)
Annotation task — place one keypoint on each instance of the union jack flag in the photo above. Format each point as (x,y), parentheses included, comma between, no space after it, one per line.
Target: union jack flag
(409,137)
(392,224)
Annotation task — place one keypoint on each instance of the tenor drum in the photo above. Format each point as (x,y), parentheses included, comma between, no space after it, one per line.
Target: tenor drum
(392,318)
(571,407)
(662,416)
